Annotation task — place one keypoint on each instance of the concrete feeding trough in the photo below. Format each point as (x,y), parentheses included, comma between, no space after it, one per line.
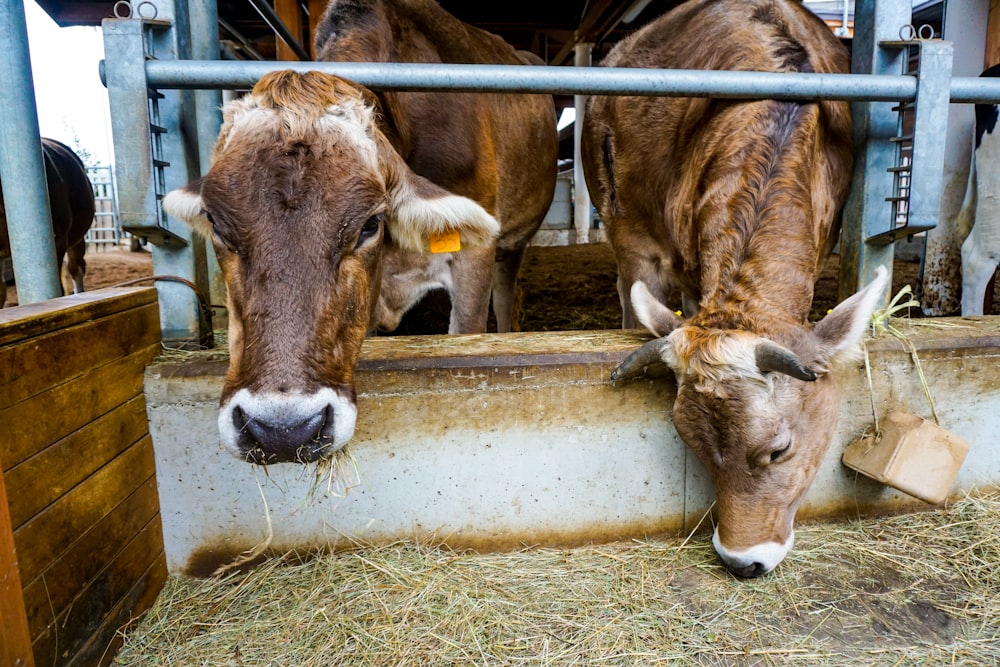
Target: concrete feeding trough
(911,454)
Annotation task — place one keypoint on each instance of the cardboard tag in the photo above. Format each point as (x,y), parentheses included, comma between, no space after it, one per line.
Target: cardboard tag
(446,241)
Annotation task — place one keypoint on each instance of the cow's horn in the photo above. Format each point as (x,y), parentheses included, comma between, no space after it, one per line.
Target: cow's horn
(772,357)
(649,355)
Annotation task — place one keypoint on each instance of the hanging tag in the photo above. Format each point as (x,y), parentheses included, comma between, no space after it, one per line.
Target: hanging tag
(446,241)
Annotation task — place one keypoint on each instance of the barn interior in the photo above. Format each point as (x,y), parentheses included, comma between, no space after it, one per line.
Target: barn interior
(254,29)
(98,537)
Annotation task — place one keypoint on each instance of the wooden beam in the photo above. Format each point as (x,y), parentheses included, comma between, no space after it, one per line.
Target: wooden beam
(593,24)
(316,9)
(993,35)
(15,641)
(288,12)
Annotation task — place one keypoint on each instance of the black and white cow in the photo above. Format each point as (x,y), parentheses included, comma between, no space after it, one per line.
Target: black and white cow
(980,215)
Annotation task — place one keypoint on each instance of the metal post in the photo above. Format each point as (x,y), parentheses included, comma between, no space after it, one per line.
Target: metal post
(22,167)
(173,144)
(867,213)
(582,216)
(204,19)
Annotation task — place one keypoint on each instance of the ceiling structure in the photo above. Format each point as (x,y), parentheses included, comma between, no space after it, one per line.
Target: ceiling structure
(548,28)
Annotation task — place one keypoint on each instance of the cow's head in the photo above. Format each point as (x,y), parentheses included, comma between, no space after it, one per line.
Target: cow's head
(302,194)
(760,414)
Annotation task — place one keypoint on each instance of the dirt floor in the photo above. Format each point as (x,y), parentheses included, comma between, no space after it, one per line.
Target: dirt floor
(563,288)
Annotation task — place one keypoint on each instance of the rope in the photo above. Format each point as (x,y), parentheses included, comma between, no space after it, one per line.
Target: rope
(881,321)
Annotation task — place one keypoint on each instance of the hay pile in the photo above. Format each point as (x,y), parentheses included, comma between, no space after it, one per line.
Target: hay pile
(916,589)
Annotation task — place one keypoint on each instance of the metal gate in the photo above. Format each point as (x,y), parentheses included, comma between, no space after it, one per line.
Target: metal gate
(162,132)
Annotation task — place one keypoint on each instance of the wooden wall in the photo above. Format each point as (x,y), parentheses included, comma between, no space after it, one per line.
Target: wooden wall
(78,470)
(993,35)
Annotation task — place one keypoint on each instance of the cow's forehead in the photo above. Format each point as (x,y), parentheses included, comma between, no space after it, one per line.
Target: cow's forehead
(348,124)
(712,358)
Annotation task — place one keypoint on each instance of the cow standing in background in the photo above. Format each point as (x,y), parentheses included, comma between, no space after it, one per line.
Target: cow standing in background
(499,150)
(735,203)
(323,195)
(71,199)
(979,219)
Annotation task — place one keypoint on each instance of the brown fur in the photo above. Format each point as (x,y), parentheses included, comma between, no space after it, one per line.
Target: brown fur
(71,199)
(497,149)
(735,203)
(308,162)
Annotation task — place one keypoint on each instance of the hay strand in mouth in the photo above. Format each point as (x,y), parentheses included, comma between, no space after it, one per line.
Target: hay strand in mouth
(914,589)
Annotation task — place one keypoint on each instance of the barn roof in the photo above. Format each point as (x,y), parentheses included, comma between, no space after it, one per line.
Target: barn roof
(549,28)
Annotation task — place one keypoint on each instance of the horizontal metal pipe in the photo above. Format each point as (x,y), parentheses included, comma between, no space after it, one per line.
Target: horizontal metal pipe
(558,80)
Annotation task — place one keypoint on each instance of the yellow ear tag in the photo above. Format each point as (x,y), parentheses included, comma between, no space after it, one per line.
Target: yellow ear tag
(447,241)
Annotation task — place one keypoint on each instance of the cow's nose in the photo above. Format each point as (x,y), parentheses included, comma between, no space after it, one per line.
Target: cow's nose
(280,442)
(749,571)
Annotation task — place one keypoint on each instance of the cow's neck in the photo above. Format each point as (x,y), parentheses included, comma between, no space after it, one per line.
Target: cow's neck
(760,282)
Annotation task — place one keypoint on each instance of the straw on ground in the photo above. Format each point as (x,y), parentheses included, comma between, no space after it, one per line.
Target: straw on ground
(915,589)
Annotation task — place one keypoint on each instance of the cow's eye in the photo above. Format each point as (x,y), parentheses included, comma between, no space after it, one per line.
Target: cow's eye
(370,228)
(779,454)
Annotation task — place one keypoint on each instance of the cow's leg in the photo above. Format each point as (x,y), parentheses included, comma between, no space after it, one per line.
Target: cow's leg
(978,266)
(76,266)
(472,276)
(505,294)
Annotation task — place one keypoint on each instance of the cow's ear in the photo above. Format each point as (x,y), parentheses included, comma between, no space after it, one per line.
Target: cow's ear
(839,332)
(652,314)
(420,210)
(185,204)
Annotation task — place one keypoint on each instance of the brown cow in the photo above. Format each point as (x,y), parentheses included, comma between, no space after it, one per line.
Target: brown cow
(71,198)
(315,181)
(734,203)
(500,150)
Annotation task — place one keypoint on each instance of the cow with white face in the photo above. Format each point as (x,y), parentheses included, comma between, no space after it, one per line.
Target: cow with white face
(735,203)
(303,194)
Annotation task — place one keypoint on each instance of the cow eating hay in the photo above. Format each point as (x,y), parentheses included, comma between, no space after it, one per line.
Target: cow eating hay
(324,198)
(735,203)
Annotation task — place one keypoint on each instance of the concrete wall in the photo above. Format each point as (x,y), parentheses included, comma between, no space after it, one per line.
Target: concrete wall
(498,441)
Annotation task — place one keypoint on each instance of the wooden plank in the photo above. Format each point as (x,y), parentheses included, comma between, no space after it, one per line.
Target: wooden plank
(49,595)
(40,480)
(76,627)
(993,35)
(50,533)
(34,424)
(41,362)
(15,642)
(107,640)
(316,9)
(289,13)
(22,322)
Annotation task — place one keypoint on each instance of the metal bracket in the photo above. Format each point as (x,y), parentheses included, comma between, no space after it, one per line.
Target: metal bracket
(918,172)
(136,129)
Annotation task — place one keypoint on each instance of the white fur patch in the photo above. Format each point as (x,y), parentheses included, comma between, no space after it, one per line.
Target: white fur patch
(414,219)
(287,409)
(187,206)
(652,314)
(718,356)
(768,554)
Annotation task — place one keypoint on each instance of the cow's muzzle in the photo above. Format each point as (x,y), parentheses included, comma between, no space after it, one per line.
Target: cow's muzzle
(269,428)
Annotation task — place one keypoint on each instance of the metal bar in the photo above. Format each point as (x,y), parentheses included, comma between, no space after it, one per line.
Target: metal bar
(582,216)
(130,126)
(272,19)
(866,213)
(547,79)
(22,167)
(565,80)
(930,115)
